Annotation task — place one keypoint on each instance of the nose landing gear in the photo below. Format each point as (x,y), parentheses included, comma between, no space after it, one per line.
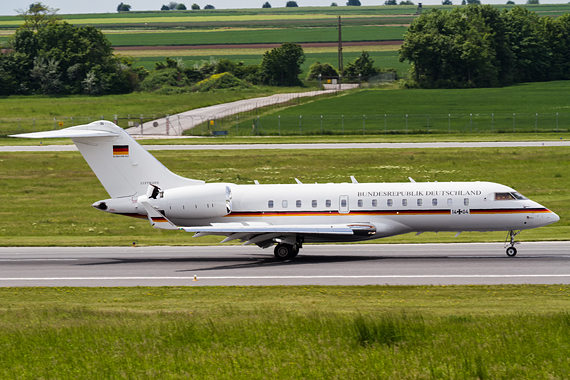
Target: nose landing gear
(511,250)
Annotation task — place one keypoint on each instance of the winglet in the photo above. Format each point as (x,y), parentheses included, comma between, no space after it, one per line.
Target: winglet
(157,220)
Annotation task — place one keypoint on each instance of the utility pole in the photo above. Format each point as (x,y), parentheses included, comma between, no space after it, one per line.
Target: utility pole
(339,47)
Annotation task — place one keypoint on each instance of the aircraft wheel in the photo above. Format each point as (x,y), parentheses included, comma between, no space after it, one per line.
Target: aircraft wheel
(284,252)
(511,251)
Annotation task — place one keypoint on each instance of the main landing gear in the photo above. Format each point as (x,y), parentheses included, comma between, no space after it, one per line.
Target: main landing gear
(511,250)
(284,252)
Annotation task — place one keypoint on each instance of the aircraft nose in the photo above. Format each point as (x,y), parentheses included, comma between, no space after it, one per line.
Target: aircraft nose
(554,217)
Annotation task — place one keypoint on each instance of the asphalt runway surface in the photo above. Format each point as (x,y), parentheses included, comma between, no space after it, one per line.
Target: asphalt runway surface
(356,264)
(490,144)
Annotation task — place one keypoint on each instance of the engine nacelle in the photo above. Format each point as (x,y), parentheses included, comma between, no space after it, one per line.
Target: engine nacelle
(195,202)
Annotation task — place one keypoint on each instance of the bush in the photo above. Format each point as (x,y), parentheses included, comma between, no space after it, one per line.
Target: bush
(219,82)
(165,77)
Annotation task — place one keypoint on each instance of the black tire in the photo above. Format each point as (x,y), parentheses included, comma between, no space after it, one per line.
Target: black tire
(284,252)
(511,251)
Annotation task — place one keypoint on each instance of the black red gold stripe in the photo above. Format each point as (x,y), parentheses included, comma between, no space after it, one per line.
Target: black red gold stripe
(120,150)
(502,211)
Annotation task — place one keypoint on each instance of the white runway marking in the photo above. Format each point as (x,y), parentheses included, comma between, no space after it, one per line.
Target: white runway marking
(39,259)
(284,277)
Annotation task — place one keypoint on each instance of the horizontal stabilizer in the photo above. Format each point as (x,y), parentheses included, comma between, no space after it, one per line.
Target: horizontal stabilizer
(68,132)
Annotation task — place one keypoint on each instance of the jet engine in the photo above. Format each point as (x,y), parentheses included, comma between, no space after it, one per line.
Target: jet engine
(192,202)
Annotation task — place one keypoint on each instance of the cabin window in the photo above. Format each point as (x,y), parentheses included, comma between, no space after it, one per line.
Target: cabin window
(434,202)
(390,202)
(314,203)
(374,203)
(419,202)
(270,204)
(466,201)
(404,202)
(298,203)
(284,204)
(328,203)
(343,203)
(449,201)
(360,203)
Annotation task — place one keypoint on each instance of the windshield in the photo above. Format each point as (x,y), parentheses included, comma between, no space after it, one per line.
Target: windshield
(509,196)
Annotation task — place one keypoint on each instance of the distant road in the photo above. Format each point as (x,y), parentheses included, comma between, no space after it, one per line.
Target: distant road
(357,264)
(504,144)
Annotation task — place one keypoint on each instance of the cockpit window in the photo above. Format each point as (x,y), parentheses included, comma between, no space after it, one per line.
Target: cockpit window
(509,196)
(519,196)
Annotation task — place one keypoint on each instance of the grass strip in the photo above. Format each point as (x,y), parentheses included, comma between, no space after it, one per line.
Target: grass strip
(406,332)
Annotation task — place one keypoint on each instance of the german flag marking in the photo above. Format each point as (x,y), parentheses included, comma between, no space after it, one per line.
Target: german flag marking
(120,150)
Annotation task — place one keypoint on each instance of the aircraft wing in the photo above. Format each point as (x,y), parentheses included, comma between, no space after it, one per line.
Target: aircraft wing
(263,234)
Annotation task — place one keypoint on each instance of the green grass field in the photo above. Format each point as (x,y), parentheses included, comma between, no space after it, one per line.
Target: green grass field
(405,332)
(51,193)
(252,36)
(35,113)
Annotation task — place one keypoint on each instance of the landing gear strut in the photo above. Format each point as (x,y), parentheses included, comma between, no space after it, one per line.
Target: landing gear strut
(511,250)
(284,252)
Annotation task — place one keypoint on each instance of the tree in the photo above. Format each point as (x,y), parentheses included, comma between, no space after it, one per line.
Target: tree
(363,65)
(334,5)
(472,2)
(266,5)
(282,65)
(164,8)
(406,2)
(209,6)
(291,4)
(323,69)
(355,3)
(390,2)
(195,7)
(479,46)
(172,5)
(446,2)
(38,16)
(58,59)
(180,7)
(123,8)
(532,2)
(510,2)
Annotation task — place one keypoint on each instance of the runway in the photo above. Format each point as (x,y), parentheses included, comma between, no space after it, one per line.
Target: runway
(357,264)
(429,145)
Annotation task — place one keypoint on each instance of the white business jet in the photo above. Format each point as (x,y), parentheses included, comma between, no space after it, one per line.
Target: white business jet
(294,214)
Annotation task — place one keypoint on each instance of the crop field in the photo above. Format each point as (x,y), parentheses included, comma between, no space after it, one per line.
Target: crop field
(50,193)
(405,332)
(257,36)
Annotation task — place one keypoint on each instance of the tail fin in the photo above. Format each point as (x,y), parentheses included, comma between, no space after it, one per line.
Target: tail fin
(122,166)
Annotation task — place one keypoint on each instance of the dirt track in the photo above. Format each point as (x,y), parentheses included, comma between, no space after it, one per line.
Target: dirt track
(256,46)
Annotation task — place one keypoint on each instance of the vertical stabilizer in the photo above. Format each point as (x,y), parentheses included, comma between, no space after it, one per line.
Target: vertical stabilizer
(122,166)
